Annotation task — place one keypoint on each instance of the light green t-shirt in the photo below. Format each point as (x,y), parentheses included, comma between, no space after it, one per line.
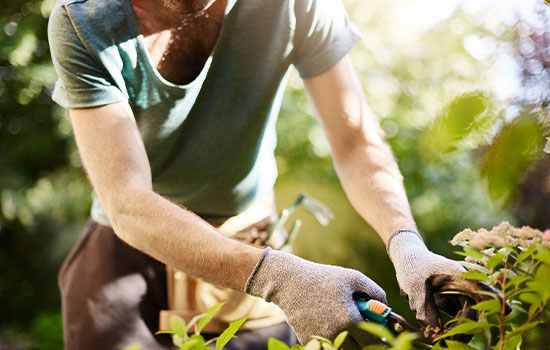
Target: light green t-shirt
(210,142)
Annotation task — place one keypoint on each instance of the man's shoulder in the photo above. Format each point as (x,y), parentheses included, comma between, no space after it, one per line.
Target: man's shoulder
(94,11)
(90,4)
(92,20)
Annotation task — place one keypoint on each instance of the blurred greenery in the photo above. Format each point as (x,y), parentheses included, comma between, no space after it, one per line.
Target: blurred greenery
(460,87)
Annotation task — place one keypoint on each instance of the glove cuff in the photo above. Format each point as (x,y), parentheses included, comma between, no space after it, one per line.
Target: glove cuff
(250,279)
(404,238)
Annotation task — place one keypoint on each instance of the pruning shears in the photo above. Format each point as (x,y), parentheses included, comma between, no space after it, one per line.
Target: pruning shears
(376,311)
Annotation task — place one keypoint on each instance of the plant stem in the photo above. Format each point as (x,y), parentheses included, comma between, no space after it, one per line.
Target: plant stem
(503,309)
(536,313)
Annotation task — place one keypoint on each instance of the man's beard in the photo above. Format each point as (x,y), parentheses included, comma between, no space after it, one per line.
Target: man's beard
(186,7)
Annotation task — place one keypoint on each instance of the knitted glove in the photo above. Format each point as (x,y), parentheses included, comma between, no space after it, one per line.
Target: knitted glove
(416,267)
(316,299)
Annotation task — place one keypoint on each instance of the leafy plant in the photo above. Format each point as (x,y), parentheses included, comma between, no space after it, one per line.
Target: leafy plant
(317,343)
(516,263)
(180,331)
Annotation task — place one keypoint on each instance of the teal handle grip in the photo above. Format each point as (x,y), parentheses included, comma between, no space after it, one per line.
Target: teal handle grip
(373,311)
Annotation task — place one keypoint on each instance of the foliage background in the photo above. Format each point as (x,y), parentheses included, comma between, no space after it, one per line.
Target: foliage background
(460,87)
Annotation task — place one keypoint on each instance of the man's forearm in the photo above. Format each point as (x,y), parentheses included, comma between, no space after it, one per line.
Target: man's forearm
(374,185)
(363,160)
(181,239)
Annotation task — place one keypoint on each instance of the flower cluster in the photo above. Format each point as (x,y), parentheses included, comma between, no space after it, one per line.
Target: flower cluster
(502,235)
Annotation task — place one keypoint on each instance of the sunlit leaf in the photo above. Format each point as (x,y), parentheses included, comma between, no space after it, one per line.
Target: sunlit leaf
(473,266)
(404,341)
(540,283)
(473,253)
(321,339)
(378,330)
(340,339)
(526,253)
(511,152)
(476,275)
(313,344)
(488,305)
(455,345)
(466,328)
(463,119)
(135,346)
(194,342)
(209,314)
(177,340)
(495,260)
(226,335)
(276,344)
(177,324)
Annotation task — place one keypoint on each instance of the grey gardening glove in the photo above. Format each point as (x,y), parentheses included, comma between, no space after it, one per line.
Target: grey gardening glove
(420,274)
(316,299)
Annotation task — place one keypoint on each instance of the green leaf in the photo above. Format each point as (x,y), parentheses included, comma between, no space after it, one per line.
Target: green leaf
(340,339)
(135,346)
(327,346)
(194,342)
(193,321)
(404,341)
(276,344)
(322,339)
(211,340)
(496,259)
(177,340)
(488,305)
(476,275)
(313,344)
(297,347)
(378,330)
(466,328)
(164,332)
(533,299)
(226,335)
(210,313)
(512,343)
(177,324)
(540,283)
(526,253)
(456,345)
(524,328)
(516,281)
(473,266)
(543,256)
(484,292)
(473,253)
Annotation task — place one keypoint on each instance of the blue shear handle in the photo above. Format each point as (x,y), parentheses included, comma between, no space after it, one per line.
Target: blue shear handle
(369,315)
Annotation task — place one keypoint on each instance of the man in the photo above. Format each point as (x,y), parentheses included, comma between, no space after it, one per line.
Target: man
(173,103)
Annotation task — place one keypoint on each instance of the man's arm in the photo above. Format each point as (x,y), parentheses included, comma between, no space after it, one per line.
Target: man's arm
(374,185)
(114,156)
(363,160)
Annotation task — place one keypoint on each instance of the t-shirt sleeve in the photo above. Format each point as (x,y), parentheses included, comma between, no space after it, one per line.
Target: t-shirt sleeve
(324,35)
(82,81)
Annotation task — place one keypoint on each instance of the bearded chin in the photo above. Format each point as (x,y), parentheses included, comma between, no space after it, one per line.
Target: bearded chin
(186,7)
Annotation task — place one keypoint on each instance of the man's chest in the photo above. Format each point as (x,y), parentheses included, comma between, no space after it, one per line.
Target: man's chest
(180,47)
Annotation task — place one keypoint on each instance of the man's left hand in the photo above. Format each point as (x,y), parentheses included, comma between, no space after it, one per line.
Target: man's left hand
(416,267)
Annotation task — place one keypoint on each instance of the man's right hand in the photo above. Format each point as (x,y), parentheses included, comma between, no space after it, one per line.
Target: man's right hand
(316,299)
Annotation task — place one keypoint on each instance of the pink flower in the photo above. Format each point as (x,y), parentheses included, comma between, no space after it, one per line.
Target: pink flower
(546,235)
